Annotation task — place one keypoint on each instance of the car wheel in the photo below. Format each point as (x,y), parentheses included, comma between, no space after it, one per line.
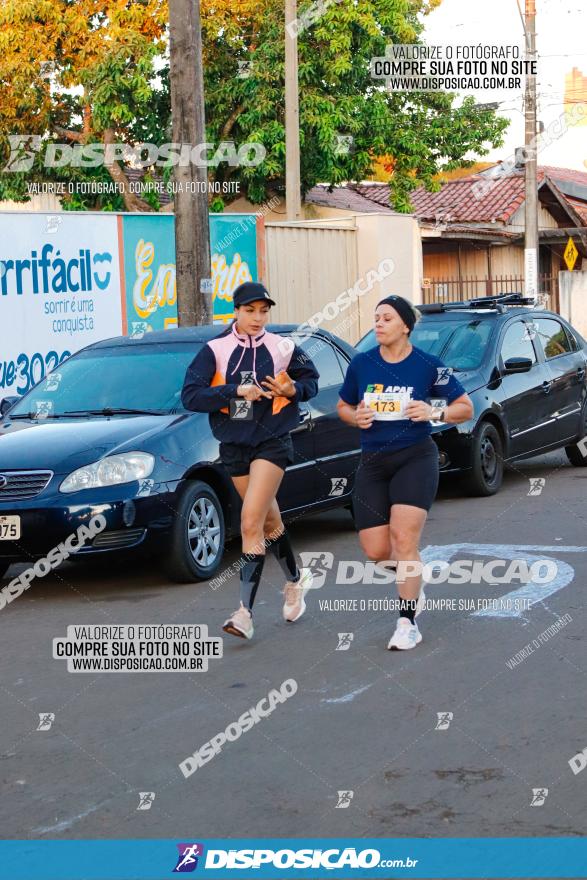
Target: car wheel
(197,536)
(486,476)
(577,454)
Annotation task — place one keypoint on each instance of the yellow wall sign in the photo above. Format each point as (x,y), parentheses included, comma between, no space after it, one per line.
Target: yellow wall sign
(571,254)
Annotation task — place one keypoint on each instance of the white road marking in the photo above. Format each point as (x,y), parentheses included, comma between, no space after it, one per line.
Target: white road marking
(347,698)
(531,592)
(67,823)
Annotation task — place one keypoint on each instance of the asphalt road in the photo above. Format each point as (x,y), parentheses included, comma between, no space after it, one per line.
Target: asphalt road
(363,720)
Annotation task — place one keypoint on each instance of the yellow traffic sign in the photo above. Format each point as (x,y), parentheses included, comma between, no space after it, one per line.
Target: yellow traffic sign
(571,254)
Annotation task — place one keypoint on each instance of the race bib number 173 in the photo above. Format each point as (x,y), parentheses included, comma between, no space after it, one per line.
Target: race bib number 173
(386,405)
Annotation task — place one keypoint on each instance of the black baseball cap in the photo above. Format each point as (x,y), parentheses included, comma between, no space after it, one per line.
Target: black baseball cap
(251,291)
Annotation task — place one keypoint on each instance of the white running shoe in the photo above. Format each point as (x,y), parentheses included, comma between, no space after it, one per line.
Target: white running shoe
(294,594)
(406,636)
(240,623)
(420,602)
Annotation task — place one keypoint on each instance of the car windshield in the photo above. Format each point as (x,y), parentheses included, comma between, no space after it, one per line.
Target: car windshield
(460,344)
(125,378)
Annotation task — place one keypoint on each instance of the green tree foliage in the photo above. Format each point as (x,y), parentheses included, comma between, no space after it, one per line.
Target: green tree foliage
(80,72)
(419,134)
(96,71)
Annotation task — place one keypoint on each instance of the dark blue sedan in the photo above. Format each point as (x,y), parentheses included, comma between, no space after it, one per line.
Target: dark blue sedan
(106,433)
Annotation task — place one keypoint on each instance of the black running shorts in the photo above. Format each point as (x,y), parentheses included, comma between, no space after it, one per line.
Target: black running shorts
(407,476)
(237,458)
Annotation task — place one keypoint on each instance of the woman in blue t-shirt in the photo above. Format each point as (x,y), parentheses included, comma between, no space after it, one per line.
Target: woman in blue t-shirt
(386,393)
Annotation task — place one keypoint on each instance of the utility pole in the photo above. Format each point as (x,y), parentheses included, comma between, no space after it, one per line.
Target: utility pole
(192,235)
(531,262)
(292,115)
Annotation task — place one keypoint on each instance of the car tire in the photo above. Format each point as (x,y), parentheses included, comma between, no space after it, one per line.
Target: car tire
(486,475)
(196,557)
(574,453)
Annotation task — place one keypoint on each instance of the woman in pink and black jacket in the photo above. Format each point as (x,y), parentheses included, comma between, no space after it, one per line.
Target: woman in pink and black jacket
(250,381)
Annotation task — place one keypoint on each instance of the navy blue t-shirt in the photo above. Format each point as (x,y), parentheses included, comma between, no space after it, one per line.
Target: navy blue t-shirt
(420,376)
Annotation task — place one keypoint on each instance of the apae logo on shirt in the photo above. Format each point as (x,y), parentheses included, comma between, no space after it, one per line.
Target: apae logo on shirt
(391,389)
(388,404)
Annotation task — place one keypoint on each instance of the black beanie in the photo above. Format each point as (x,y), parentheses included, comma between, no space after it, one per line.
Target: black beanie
(403,308)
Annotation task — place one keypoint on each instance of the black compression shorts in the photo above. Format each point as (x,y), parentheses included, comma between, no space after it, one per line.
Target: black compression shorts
(406,476)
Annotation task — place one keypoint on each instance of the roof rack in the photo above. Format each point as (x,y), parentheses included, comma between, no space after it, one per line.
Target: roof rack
(497,303)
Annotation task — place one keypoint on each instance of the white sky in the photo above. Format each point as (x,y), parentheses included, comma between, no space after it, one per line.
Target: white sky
(561,28)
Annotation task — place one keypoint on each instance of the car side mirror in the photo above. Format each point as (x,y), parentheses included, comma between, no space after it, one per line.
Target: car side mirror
(518,365)
(6,403)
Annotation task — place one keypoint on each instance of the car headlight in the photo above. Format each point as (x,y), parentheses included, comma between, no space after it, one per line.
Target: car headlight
(111,471)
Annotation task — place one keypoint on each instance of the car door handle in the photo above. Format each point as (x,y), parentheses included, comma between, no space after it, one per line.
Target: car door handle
(546,386)
(581,373)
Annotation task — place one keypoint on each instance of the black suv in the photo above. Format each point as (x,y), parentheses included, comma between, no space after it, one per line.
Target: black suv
(525,371)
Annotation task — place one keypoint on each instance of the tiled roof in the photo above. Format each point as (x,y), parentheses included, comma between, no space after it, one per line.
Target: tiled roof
(348,198)
(580,207)
(568,174)
(462,201)
(376,192)
(458,201)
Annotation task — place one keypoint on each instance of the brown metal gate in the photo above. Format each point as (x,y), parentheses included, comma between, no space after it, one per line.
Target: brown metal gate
(455,289)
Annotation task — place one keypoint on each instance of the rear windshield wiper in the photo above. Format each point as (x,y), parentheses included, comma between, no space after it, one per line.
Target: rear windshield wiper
(113,411)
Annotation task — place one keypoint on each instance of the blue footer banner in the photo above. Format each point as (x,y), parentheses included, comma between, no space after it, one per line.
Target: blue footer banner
(285,858)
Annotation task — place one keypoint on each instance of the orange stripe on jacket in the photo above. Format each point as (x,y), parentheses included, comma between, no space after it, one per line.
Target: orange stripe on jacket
(279,403)
(219,379)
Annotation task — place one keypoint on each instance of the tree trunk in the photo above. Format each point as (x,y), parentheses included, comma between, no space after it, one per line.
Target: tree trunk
(132,201)
(192,236)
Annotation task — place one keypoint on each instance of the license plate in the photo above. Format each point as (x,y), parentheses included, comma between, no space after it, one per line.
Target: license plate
(9,528)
